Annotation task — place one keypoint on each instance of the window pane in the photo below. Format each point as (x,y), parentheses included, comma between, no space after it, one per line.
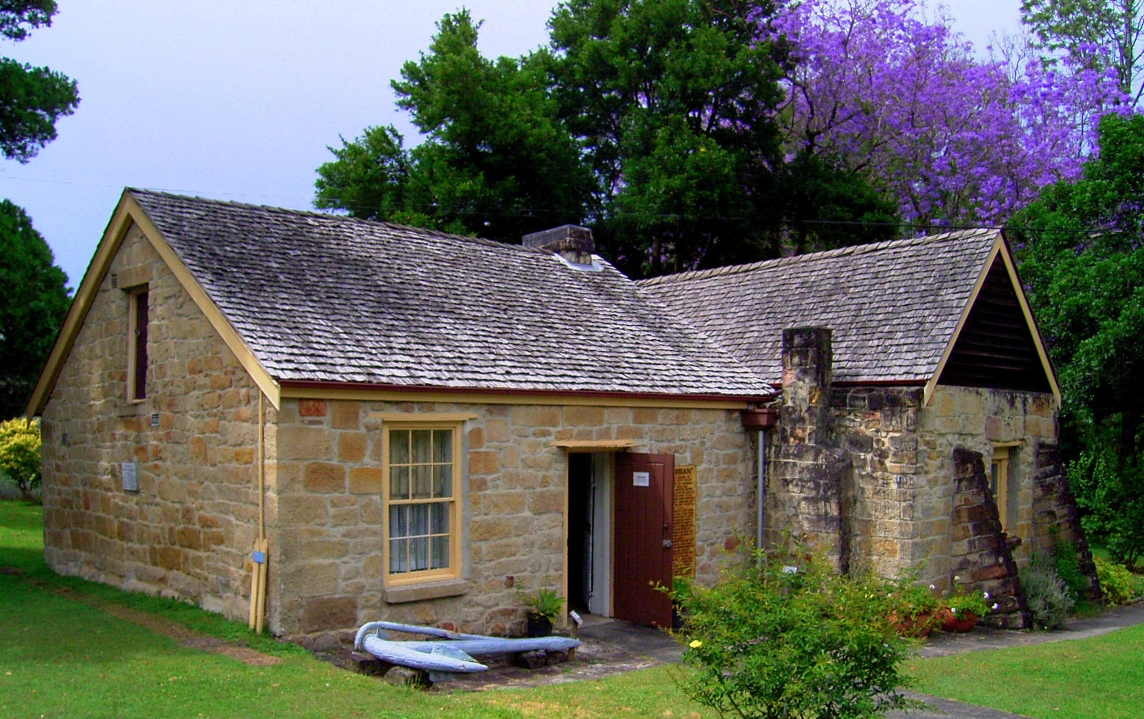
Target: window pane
(399,521)
(440,552)
(422,451)
(397,560)
(399,482)
(442,480)
(418,520)
(422,480)
(418,554)
(443,445)
(439,518)
(399,446)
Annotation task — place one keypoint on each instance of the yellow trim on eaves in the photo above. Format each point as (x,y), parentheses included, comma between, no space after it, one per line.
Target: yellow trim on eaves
(462,397)
(213,314)
(127,212)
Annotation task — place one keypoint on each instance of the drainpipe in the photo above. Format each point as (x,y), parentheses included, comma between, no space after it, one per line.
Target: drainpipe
(761,419)
(762,486)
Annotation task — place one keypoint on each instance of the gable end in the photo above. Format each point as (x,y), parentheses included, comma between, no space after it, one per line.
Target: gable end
(996,344)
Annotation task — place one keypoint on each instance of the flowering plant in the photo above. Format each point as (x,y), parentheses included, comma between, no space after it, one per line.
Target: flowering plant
(961,603)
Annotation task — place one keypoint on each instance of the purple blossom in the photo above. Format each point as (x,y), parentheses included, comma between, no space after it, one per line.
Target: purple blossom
(902,99)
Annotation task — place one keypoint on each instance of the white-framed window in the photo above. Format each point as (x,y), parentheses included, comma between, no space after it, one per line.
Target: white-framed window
(421,471)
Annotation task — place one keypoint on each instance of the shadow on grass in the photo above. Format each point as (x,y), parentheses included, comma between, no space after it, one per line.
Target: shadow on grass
(21,550)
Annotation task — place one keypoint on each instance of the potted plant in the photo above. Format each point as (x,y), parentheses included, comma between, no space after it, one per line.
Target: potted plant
(914,609)
(542,610)
(962,610)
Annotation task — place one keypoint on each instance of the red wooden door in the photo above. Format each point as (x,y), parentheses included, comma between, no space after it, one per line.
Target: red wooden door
(643,538)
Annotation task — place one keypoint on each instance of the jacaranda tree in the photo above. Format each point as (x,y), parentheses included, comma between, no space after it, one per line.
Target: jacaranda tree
(902,99)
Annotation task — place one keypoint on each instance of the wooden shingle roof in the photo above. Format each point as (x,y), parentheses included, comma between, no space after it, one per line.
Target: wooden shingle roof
(893,307)
(324,298)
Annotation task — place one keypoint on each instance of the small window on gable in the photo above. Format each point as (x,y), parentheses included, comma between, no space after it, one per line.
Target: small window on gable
(137,307)
(421,473)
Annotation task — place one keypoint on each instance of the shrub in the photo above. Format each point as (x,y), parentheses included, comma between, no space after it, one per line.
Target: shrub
(771,640)
(1067,566)
(1116,582)
(20,454)
(1048,597)
(1110,495)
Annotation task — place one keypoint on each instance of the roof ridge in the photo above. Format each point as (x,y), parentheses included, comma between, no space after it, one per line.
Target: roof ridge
(813,256)
(329,217)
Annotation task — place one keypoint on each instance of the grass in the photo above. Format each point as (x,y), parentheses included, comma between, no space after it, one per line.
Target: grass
(62,656)
(1083,678)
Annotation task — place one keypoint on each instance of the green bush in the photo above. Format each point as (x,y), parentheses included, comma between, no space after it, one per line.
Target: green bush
(1048,597)
(1110,495)
(771,640)
(1116,582)
(1067,566)
(20,454)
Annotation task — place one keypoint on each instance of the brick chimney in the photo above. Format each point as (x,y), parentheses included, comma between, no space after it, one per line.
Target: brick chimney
(571,242)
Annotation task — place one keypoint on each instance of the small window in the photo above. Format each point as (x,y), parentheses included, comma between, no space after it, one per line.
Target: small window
(999,484)
(137,345)
(421,467)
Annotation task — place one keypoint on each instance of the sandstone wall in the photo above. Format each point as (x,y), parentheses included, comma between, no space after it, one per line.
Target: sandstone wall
(980,558)
(877,427)
(328,505)
(188,531)
(975,419)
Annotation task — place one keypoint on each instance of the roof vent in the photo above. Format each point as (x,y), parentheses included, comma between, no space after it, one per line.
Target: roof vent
(571,242)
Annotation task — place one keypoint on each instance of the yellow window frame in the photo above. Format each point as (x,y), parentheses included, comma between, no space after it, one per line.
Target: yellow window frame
(453,571)
(999,480)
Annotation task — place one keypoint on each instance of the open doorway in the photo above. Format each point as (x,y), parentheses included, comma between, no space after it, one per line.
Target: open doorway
(589,533)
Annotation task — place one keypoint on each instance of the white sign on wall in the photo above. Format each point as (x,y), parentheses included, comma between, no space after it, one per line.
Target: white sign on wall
(641,479)
(129,474)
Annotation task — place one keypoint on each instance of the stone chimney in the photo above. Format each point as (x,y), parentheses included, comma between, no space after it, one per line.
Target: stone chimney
(571,242)
(807,470)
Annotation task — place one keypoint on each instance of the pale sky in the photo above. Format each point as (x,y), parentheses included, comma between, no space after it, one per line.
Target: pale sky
(238,100)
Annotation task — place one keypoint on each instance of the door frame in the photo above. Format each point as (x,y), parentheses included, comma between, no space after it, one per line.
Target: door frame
(602,460)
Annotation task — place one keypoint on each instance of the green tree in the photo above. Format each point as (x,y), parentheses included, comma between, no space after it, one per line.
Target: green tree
(495,160)
(673,102)
(649,120)
(1106,33)
(35,302)
(1081,247)
(20,454)
(31,98)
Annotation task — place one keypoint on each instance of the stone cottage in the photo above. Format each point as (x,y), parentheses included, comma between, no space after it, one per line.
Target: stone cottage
(423,425)
(919,408)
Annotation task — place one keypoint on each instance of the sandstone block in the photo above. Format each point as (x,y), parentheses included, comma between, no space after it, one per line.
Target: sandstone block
(484,462)
(312,407)
(351,446)
(345,415)
(324,477)
(302,442)
(329,613)
(497,430)
(365,480)
(535,416)
(583,416)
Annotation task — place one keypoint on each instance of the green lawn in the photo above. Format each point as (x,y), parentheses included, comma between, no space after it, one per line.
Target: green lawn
(1100,677)
(64,657)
